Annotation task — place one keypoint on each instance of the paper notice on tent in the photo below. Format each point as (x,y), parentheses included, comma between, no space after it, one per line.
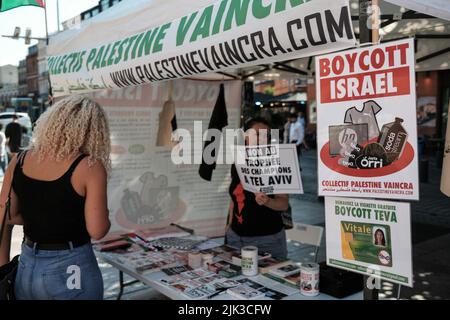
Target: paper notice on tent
(146,188)
(271,169)
(369,237)
(220,36)
(366,120)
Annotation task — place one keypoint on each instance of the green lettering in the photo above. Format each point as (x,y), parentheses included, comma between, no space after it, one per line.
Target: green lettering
(120,51)
(237,12)
(98,59)
(219,16)
(136,44)
(113,52)
(157,47)
(80,61)
(91,57)
(104,62)
(146,43)
(130,43)
(203,25)
(259,10)
(184,27)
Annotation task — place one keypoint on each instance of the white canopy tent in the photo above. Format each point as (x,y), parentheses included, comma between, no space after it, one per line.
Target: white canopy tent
(432,36)
(399,20)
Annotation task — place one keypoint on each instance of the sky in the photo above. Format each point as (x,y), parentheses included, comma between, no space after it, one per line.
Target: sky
(12,51)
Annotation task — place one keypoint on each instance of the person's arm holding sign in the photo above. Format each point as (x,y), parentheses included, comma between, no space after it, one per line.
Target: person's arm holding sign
(280,202)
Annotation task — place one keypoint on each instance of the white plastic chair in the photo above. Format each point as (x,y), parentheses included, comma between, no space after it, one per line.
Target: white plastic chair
(306,234)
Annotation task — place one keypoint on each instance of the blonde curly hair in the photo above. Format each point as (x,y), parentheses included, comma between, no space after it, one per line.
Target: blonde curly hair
(73,125)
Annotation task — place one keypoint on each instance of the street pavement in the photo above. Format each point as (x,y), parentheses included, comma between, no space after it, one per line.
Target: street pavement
(430,238)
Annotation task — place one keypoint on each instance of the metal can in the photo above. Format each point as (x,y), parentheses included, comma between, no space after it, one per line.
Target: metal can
(309,279)
(195,260)
(207,259)
(249,261)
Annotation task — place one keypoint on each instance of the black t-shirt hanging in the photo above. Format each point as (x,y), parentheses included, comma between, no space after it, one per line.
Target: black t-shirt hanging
(249,218)
(219,120)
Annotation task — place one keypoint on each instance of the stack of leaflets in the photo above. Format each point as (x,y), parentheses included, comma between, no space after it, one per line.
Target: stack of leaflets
(266,290)
(149,261)
(265,265)
(271,285)
(244,292)
(184,243)
(165,232)
(285,270)
(176,270)
(198,283)
(233,255)
(225,269)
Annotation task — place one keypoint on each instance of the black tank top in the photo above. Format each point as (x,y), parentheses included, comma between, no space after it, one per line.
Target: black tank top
(52,211)
(250,219)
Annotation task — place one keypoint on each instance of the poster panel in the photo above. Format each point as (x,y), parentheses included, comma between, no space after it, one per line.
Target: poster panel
(367,125)
(146,189)
(370,237)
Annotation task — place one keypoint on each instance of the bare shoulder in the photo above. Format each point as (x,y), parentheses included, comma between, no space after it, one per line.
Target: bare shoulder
(94,171)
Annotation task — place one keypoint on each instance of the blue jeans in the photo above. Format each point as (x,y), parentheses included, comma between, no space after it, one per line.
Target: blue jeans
(275,244)
(58,275)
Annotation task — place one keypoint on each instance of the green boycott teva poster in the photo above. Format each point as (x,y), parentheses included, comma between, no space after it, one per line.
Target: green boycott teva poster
(370,237)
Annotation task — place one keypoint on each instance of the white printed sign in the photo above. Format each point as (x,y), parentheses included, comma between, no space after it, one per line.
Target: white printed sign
(271,169)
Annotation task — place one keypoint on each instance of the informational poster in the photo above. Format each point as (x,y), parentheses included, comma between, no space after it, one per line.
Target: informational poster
(370,237)
(219,36)
(146,189)
(271,169)
(367,125)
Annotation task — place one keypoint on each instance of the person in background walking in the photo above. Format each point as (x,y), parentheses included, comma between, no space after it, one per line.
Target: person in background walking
(59,195)
(301,119)
(3,153)
(296,133)
(13,133)
(286,131)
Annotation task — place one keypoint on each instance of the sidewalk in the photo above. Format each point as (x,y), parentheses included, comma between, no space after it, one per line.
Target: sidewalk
(430,237)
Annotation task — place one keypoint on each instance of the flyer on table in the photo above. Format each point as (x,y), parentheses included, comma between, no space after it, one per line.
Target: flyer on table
(367,127)
(370,237)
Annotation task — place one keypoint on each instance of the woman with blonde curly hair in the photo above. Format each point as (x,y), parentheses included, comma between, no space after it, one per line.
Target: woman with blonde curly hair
(58,192)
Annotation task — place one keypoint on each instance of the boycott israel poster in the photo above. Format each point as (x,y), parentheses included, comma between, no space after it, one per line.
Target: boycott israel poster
(223,35)
(272,169)
(369,237)
(146,189)
(367,126)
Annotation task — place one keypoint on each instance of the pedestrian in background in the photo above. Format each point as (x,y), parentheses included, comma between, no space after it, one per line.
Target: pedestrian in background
(59,195)
(296,133)
(13,133)
(302,121)
(3,152)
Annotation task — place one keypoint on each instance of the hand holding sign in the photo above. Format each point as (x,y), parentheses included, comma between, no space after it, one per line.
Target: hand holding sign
(261,198)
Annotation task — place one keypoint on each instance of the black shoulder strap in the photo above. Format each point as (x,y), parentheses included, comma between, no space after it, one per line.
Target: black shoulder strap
(74,165)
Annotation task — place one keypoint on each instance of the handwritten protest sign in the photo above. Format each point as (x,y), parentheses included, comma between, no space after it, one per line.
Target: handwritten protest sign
(272,169)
